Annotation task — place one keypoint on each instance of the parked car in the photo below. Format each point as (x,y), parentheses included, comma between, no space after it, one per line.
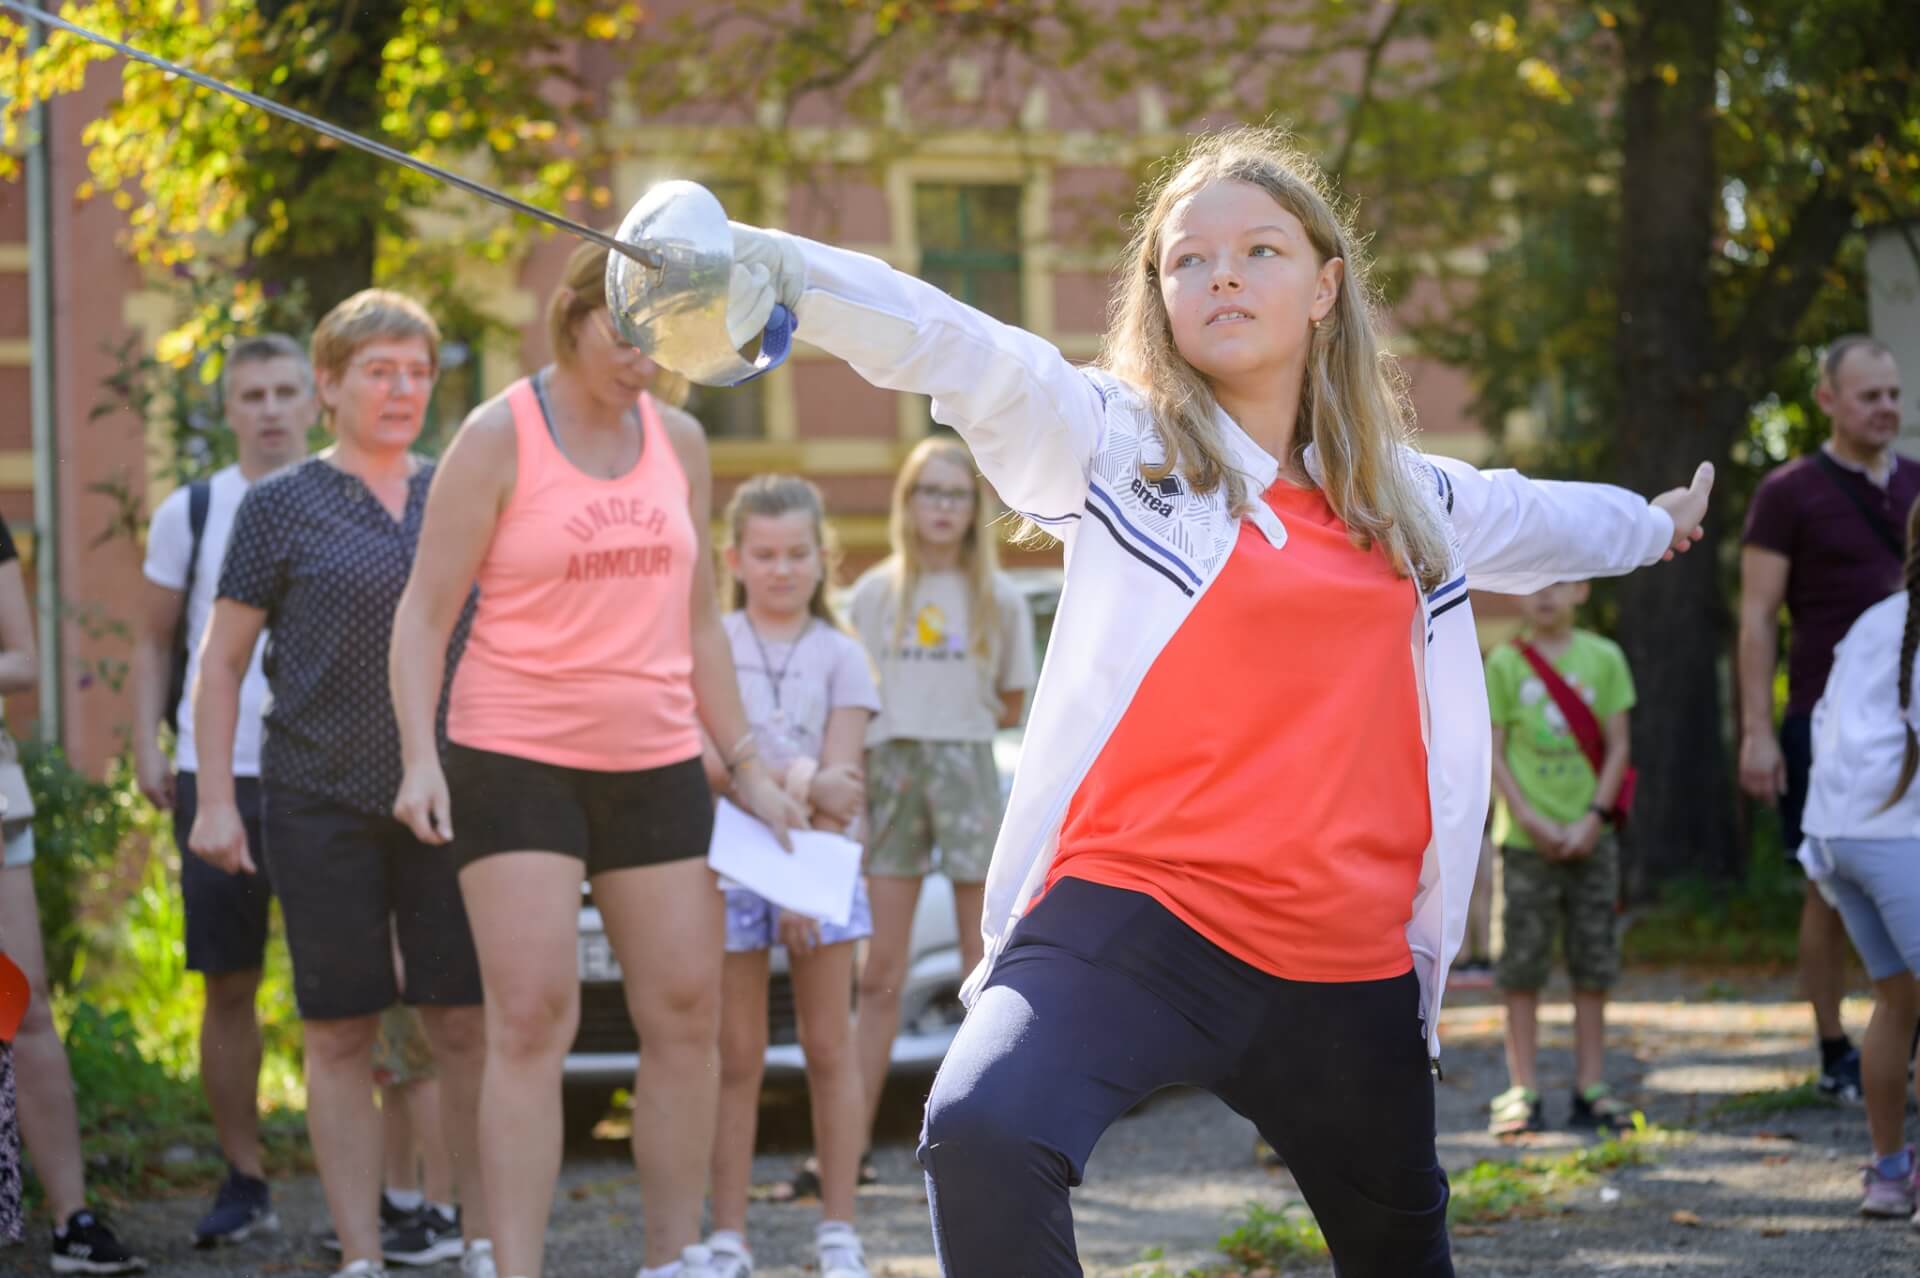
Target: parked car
(605,1049)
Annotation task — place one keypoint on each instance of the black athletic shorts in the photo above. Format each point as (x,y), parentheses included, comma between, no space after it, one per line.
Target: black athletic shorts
(226,913)
(610,820)
(349,882)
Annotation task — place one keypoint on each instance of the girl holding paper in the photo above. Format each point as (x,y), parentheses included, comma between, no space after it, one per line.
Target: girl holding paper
(810,695)
(578,501)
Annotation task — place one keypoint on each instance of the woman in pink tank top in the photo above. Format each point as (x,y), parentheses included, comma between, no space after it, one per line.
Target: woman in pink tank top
(579,503)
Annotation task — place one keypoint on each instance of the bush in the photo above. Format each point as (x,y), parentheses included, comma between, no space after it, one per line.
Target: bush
(80,827)
(107,877)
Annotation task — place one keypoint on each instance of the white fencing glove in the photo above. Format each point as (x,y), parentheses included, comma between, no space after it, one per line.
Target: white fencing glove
(767,268)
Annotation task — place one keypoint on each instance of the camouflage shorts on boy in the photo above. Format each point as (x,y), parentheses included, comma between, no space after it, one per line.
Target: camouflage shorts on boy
(927,794)
(1533,898)
(401,1054)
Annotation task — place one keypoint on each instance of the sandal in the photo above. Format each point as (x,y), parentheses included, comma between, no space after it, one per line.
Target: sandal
(1514,1112)
(805,1181)
(1596,1108)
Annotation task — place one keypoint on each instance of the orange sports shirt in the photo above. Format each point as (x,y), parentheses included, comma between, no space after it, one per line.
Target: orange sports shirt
(1268,782)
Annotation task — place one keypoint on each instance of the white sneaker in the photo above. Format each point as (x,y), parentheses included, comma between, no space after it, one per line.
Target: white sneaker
(729,1256)
(695,1262)
(837,1248)
(477,1260)
(362,1269)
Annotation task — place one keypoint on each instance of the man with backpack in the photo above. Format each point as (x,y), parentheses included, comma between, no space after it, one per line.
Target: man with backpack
(1822,538)
(267,392)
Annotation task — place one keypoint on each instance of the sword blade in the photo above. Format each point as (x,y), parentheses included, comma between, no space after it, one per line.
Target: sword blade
(646,258)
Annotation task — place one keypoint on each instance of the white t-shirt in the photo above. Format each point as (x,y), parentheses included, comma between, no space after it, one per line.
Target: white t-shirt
(169,543)
(932,687)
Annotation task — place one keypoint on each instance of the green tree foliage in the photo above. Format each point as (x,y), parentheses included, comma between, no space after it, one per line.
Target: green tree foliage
(261,223)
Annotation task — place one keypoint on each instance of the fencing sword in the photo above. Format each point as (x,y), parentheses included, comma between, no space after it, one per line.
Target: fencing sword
(644,256)
(668,269)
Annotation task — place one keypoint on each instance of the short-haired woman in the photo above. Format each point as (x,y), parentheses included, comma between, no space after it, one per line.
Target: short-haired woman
(318,558)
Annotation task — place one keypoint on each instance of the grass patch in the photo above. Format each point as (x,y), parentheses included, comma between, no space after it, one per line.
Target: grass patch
(1494,1190)
(1802,1095)
(1263,1241)
(1267,1241)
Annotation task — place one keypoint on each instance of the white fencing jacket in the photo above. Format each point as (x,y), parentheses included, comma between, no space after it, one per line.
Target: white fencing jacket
(1064,445)
(1858,742)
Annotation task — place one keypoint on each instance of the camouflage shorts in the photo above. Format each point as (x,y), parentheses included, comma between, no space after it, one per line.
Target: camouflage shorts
(400,1051)
(1533,898)
(923,795)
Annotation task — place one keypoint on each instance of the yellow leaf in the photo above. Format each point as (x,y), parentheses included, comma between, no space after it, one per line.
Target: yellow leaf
(1669,73)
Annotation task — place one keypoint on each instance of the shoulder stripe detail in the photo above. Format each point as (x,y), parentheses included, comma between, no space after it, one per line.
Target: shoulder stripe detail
(1133,550)
(1147,542)
(1448,606)
(1437,591)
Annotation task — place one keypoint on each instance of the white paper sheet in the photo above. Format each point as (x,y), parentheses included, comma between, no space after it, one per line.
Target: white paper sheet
(816,879)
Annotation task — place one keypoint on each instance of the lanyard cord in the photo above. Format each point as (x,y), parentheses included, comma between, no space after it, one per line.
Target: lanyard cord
(767,665)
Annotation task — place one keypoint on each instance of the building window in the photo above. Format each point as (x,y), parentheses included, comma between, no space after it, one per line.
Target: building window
(969,238)
(970,244)
(733,412)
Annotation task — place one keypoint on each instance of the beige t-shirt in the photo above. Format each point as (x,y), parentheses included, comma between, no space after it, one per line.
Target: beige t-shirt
(933,687)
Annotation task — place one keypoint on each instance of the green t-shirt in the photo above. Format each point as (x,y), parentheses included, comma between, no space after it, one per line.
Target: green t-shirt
(1542,752)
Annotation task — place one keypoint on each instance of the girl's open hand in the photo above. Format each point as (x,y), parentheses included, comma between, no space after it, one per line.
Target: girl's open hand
(1688,507)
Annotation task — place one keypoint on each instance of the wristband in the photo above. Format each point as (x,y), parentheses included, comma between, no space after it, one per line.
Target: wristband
(1605,814)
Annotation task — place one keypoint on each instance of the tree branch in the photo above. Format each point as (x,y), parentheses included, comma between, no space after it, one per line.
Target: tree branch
(1376,47)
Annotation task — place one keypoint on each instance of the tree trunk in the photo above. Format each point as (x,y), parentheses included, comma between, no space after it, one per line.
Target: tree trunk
(1673,415)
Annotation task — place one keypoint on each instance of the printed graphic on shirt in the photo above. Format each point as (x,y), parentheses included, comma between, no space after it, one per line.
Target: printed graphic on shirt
(626,514)
(932,639)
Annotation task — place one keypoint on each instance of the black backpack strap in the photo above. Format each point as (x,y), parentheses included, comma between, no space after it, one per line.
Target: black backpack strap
(1838,474)
(199,499)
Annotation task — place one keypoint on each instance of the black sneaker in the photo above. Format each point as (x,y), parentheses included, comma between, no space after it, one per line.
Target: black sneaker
(430,1237)
(392,1217)
(86,1246)
(241,1209)
(1840,1078)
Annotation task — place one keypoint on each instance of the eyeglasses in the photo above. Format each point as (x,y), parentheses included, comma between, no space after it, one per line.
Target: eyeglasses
(934,495)
(389,375)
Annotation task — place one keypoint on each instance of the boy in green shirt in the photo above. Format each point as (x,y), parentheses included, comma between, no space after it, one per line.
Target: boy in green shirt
(1558,856)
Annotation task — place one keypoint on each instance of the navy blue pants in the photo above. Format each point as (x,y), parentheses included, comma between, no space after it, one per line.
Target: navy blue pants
(1102,998)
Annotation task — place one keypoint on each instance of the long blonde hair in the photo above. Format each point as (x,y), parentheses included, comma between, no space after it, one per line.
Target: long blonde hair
(773,496)
(1353,400)
(979,556)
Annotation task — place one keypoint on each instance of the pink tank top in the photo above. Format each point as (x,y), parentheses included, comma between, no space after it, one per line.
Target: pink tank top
(581,653)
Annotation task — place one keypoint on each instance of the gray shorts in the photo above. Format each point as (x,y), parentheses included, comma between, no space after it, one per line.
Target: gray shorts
(1875,885)
(18,845)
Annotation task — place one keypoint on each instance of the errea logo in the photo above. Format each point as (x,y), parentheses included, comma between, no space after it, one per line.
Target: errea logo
(1157,494)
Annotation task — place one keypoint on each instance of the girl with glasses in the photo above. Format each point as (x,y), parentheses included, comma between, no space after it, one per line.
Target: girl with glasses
(952,639)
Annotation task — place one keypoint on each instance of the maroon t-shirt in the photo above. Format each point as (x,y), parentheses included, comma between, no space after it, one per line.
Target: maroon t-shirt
(1838,566)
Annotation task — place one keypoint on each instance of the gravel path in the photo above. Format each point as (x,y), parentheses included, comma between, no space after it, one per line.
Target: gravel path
(1767,1195)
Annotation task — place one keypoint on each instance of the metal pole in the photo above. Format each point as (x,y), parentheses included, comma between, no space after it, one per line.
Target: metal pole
(46,442)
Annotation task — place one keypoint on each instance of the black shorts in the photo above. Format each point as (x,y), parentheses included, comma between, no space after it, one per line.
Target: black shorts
(610,820)
(226,913)
(349,882)
(1796,751)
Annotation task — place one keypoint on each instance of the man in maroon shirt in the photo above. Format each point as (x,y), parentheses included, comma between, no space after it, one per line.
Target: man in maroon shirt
(1823,538)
